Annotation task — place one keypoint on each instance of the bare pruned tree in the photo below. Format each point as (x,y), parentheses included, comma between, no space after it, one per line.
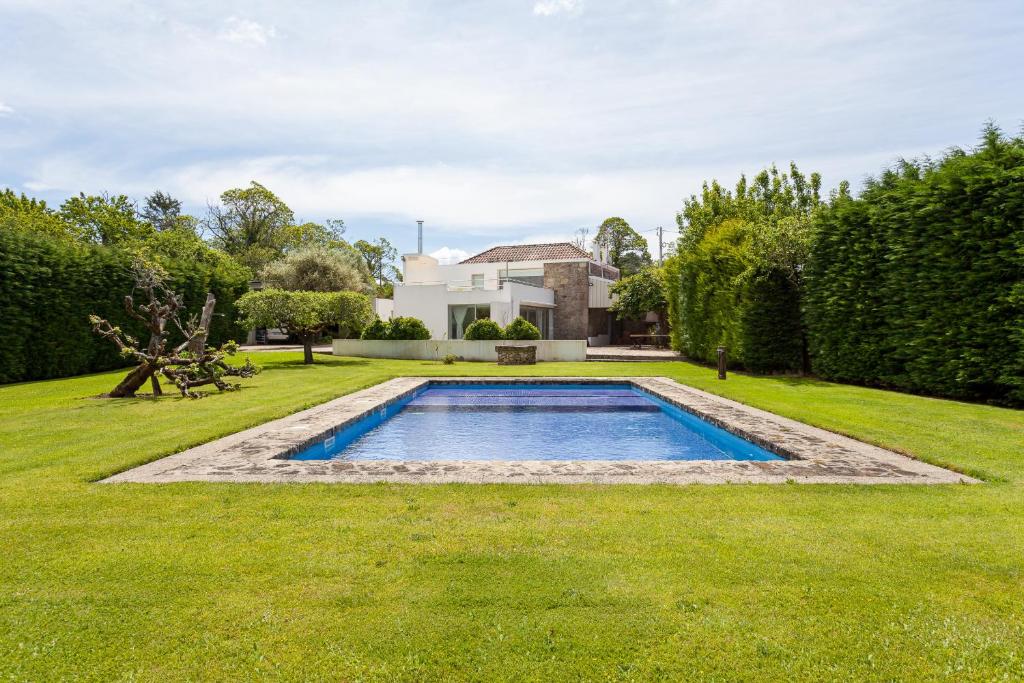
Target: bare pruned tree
(188,365)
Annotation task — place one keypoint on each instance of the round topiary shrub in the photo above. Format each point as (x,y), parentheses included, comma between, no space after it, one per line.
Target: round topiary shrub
(521,328)
(378,329)
(408,328)
(484,329)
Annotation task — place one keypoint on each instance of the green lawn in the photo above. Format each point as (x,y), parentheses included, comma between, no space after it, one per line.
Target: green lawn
(234,581)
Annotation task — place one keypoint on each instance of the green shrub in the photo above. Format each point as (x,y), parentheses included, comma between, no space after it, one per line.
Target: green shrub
(483,329)
(449,359)
(403,328)
(378,329)
(521,328)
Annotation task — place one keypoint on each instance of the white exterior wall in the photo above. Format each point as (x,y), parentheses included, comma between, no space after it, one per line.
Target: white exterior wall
(430,303)
(428,288)
(547,350)
(383,308)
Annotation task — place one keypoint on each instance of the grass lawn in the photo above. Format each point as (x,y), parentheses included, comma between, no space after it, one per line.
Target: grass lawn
(420,582)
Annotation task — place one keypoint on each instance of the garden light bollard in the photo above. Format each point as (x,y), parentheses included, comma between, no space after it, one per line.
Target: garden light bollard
(721,362)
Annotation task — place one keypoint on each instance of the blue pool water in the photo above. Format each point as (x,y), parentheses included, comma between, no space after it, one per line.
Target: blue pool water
(534,422)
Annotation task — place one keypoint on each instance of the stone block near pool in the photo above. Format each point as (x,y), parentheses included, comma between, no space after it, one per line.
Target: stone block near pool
(516,355)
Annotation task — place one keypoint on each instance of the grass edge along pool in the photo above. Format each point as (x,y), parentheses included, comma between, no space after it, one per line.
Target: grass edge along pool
(517,421)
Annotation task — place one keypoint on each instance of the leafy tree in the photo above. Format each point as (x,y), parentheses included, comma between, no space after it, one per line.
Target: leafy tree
(319,269)
(737,276)
(637,294)
(162,211)
(627,249)
(483,329)
(380,258)
(305,315)
(18,212)
(104,219)
(250,225)
(521,329)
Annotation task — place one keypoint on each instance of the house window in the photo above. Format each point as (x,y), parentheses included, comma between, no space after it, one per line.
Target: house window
(478,280)
(460,317)
(524,276)
(540,317)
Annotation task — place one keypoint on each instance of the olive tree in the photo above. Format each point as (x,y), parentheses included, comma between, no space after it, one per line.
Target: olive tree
(319,269)
(304,314)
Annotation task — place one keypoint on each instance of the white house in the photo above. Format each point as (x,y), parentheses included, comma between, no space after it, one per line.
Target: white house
(560,288)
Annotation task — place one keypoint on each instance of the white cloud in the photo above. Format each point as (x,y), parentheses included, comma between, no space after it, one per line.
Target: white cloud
(448,255)
(246,32)
(546,8)
(5,109)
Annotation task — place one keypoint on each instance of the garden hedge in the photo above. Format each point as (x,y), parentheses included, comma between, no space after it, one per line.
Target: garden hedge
(49,287)
(918,283)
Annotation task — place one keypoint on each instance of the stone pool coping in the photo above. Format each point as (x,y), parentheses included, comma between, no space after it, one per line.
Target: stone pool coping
(814,455)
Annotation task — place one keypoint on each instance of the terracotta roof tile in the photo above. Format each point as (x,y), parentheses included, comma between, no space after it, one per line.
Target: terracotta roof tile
(529,252)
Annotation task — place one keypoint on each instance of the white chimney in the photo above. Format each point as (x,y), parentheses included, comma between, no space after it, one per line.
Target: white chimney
(596,249)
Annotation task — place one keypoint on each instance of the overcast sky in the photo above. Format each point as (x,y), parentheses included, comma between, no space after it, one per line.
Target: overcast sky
(495,122)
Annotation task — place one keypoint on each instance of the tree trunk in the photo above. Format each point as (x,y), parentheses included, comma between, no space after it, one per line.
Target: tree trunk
(307,349)
(154,381)
(198,345)
(133,381)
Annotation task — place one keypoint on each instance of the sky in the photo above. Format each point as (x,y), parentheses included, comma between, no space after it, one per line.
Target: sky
(493,122)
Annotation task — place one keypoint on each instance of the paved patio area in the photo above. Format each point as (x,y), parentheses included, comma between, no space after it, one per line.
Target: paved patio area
(261,454)
(628,353)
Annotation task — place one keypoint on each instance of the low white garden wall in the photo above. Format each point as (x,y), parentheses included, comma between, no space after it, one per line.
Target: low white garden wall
(436,349)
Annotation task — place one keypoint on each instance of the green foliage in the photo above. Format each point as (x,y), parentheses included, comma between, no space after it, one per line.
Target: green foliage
(304,314)
(737,277)
(50,286)
(104,219)
(18,212)
(162,211)
(449,359)
(627,249)
(405,327)
(318,269)
(379,257)
(918,283)
(521,328)
(483,329)
(397,329)
(378,329)
(256,227)
(637,294)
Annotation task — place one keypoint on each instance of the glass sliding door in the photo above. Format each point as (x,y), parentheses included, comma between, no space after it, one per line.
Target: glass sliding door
(460,316)
(540,317)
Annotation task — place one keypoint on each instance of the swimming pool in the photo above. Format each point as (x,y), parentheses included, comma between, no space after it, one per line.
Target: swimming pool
(515,421)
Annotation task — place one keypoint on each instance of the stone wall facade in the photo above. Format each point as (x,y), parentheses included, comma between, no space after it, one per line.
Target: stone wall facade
(571,285)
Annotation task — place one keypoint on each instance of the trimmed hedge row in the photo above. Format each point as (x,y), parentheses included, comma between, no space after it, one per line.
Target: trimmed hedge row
(918,284)
(49,287)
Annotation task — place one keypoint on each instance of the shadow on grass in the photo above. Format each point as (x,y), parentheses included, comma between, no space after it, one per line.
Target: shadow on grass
(297,364)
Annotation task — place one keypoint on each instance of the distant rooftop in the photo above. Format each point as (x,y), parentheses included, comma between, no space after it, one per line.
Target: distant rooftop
(530,252)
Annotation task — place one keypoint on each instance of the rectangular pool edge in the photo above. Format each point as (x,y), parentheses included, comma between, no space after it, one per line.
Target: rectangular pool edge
(813,455)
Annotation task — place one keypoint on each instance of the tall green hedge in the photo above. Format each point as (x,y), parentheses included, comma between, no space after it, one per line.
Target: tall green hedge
(918,283)
(49,287)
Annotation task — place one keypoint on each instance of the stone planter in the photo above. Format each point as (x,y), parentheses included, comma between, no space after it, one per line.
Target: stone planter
(516,355)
